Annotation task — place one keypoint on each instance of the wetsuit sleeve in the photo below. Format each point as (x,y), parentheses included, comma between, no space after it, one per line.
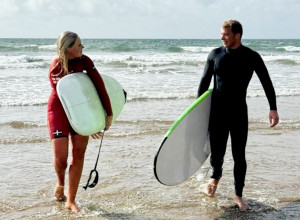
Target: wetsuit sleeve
(99,84)
(54,73)
(207,75)
(264,77)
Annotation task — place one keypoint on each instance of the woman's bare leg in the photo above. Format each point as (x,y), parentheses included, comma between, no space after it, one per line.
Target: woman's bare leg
(60,150)
(79,144)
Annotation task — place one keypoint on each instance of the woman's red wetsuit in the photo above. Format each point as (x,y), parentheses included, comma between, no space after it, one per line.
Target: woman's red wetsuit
(58,123)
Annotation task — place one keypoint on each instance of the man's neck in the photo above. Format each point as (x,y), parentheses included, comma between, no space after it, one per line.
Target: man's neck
(235,46)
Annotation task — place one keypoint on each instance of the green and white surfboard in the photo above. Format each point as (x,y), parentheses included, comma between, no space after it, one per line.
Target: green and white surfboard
(82,104)
(185,146)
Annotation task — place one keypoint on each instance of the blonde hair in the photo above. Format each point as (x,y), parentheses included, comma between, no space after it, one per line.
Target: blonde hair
(65,41)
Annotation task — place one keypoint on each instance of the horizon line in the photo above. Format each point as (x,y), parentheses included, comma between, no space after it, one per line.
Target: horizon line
(151,38)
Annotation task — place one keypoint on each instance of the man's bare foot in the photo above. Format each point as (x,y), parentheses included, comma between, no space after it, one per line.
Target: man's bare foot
(210,187)
(241,204)
(72,206)
(59,193)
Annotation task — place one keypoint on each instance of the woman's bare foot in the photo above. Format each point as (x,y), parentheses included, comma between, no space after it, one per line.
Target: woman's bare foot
(72,206)
(241,204)
(59,193)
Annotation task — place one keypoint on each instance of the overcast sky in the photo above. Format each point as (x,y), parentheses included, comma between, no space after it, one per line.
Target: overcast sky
(198,19)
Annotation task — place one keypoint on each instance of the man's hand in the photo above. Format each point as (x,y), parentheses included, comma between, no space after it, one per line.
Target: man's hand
(274,118)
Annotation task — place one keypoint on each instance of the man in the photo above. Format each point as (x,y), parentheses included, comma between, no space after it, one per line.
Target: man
(232,66)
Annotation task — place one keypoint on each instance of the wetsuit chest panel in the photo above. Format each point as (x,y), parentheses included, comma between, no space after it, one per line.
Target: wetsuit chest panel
(233,69)
(79,66)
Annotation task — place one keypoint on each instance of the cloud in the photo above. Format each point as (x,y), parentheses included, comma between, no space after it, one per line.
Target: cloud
(148,18)
(8,8)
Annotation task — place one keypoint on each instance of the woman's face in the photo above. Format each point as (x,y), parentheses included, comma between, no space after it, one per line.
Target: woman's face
(76,50)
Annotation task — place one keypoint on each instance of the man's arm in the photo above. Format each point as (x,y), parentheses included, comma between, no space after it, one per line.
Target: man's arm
(207,75)
(264,77)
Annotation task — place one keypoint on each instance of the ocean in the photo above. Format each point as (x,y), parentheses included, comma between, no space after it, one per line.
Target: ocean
(161,78)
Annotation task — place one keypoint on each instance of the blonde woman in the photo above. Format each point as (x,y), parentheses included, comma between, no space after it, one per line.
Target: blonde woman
(70,60)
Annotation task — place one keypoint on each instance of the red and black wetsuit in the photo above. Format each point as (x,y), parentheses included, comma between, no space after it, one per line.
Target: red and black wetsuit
(58,123)
(232,70)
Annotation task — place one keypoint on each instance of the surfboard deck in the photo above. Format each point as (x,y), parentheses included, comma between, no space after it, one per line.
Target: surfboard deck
(82,104)
(185,146)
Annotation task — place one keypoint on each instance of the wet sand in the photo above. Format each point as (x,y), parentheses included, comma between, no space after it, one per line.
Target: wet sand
(127,188)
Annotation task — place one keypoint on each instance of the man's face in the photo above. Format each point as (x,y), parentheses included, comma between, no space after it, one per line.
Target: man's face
(229,39)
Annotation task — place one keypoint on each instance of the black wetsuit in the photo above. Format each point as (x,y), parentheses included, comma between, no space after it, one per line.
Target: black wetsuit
(232,70)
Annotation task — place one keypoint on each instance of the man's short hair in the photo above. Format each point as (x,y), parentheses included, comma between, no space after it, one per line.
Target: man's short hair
(234,25)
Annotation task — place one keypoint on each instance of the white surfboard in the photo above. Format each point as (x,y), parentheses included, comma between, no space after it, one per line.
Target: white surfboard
(82,104)
(186,145)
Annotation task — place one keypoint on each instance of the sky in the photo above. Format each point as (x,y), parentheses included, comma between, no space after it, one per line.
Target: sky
(160,19)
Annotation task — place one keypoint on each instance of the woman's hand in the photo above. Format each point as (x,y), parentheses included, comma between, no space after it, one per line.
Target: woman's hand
(108,122)
(97,135)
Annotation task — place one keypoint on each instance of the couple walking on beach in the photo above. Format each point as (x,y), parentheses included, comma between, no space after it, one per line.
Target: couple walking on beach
(232,67)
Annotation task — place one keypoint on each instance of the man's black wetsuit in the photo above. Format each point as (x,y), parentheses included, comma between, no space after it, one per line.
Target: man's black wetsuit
(232,70)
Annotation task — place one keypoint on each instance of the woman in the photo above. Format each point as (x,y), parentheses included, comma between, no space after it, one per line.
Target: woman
(70,60)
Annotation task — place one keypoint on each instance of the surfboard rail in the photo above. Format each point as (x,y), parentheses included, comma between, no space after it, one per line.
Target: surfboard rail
(183,150)
(187,111)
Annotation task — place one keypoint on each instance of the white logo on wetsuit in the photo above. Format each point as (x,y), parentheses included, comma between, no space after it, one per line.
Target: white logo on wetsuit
(57,132)
(55,80)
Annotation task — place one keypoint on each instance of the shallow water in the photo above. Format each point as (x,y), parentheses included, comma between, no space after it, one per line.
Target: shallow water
(127,188)
(161,78)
